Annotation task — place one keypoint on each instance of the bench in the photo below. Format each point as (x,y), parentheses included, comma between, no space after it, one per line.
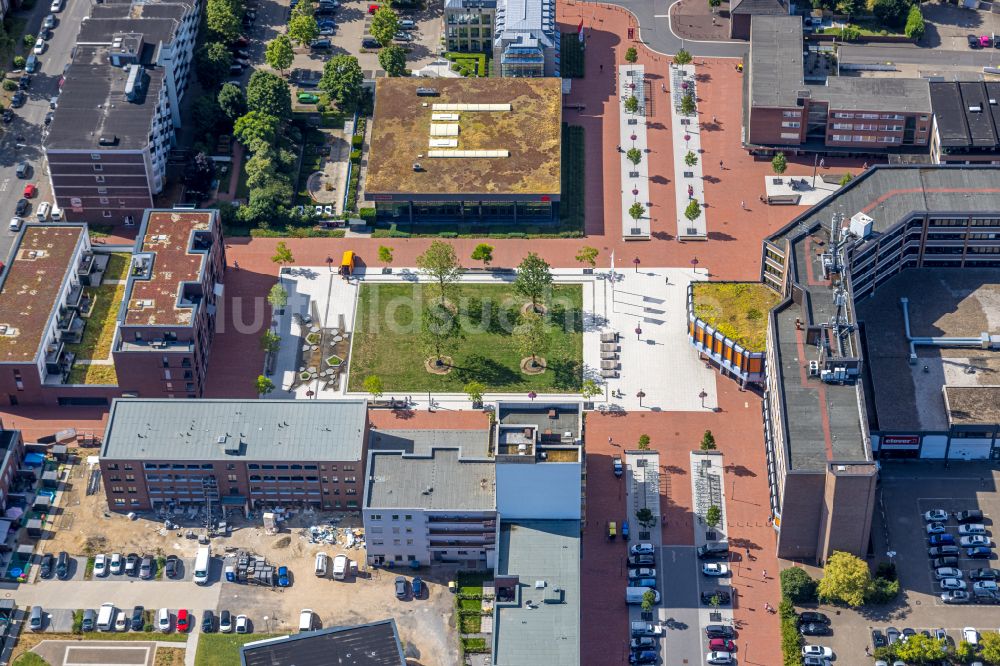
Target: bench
(784,200)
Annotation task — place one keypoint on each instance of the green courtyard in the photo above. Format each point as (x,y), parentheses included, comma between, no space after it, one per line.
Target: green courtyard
(387,340)
(737,309)
(102,321)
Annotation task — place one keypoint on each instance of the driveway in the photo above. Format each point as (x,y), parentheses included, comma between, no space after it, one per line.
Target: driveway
(656,33)
(124,593)
(683,644)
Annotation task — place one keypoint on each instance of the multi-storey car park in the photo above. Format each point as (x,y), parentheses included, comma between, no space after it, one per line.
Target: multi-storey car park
(848,378)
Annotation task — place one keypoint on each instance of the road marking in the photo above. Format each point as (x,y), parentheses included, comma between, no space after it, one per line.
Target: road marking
(4,184)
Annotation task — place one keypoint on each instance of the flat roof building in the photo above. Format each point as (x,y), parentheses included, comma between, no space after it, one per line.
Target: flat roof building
(825,387)
(372,644)
(966,122)
(466,149)
(246,453)
(845,114)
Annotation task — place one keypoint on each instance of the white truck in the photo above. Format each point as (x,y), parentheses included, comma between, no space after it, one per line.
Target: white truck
(106,617)
(633,595)
(340,563)
(201,565)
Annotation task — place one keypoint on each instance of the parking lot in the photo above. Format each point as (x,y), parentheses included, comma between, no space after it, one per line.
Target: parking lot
(947,26)
(71,653)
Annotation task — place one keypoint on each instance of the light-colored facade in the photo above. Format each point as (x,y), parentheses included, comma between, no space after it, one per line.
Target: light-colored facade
(526,39)
(469,25)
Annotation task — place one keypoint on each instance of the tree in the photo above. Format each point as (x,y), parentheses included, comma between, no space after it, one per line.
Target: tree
(256,130)
(222,19)
(889,12)
(438,329)
(279,53)
(644,442)
(264,385)
(270,341)
(373,386)
(779,163)
(690,159)
(268,203)
(688,105)
(260,168)
(708,441)
(714,3)
(393,60)
(921,649)
(440,263)
(587,255)
(915,23)
(303,28)
(205,116)
(692,211)
(277,296)
(342,79)
(631,54)
(846,579)
(534,279)
(475,391)
(282,255)
(232,101)
(304,8)
(965,651)
(845,179)
(530,336)
(636,211)
(798,585)
(199,175)
(385,25)
(269,93)
(631,104)
(590,388)
(682,57)
(645,517)
(713,516)
(212,63)
(385,255)
(484,253)
(989,641)
(648,600)
(634,155)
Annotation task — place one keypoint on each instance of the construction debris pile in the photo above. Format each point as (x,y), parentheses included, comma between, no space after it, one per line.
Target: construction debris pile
(251,569)
(346,537)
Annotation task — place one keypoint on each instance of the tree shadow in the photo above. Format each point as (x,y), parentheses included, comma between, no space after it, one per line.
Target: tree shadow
(660,180)
(674,469)
(566,374)
(662,235)
(719,236)
(739,470)
(486,370)
(702,77)
(569,320)
(711,179)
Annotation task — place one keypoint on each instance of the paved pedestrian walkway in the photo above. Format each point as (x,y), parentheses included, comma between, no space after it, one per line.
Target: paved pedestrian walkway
(686,132)
(632,136)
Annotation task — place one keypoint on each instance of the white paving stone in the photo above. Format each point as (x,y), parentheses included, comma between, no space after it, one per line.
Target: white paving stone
(635,189)
(690,188)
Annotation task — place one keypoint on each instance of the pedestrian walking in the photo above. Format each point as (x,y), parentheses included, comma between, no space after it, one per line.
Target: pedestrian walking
(743,205)
(602,67)
(721,168)
(714,120)
(822,164)
(765,574)
(236,265)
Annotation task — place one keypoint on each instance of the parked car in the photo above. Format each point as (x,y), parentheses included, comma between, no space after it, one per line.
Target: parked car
(18,99)
(718,658)
(971,528)
(183,621)
(163,620)
(815,661)
(981,586)
(418,587)
(320,44)
(979,553)
(207,621)
(37,618)
(23,169)
(643,657)
(131,564)
(121,621)
(370,43)
(8,116)
(643,643)
(813,617)
(15,224)
(172,568)
(283,580)
(984,574)
(101,565)
(45,33)
(817,651)
(138,618)
(116,564)
(49,21)
(969,516)
(56,6)
(814,629)
(936,528)
(147,568)
(39,47)
(952,584)
(24,82)
(643,582)
(720,631)
(45,567)
(30,190)
(642,572)
(31,64)
(225,622)
(938,551)
(242,624)
(400,587)
(401,36)
(721,645)
(641,549)
(974,540)
(62,565)
(716,569)
(878,638)
(970,635)
(327,30)
(947,572)
(89,618)
(973,41)
(21,207)
(407,24)
(947,561)
(721,596)
(647,559)
(955,597)
(941,540)
(307,98)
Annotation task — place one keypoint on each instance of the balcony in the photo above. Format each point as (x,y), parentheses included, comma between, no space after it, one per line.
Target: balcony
(488,522)
(58,362)
(70,326)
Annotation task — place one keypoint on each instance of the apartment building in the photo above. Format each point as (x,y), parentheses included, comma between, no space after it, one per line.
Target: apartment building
(12,448)
(161,34)
(372,644)
(526,39)
(167,322)
(469,25)
(253,454)
(829,412)
(966,122)
(844,115)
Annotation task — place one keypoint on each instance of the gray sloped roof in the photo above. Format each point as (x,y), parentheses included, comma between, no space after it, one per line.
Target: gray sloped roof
(759,7)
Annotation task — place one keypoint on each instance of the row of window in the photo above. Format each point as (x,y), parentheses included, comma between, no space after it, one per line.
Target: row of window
(395,516)
(872,116)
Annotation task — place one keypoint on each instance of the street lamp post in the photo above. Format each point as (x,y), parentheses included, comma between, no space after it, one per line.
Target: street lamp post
(532,395)
(694,265)
(638,333)
(329,263)
(636,262)
(641,394)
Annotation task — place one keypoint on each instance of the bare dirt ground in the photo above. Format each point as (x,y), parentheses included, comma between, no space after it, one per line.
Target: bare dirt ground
(169,657)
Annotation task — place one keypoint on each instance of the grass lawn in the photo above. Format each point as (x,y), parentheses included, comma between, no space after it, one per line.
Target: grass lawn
(100,330)
(103,375)
(242,189)
(572,56)
(470,624)
(29,659)
(472,583)
(118,263)
(487,353)
(224,649)
(737,309)
(169,657)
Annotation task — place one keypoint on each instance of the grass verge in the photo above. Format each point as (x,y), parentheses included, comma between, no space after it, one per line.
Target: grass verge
(223,649)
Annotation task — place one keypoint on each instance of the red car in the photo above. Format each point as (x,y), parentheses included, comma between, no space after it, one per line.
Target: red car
(716,645)
(30,191)
(183,621)
(372,9)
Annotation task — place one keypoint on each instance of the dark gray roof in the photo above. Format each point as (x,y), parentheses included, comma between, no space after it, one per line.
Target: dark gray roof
(776,75)
(103,30)
(373,644)
(888,194)
(759,7)
(438,470)
(140,10)
(545,633)
(93,104)
(170,429)
(958,125)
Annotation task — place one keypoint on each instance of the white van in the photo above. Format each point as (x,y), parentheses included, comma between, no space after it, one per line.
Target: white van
(43,211)
(634,595)
(201,565)
(306,620)
(106,617)
(121,621)
(340,567)
(56,213)
(321,563)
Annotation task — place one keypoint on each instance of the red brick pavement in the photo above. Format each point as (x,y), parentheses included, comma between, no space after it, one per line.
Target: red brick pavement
(35,422)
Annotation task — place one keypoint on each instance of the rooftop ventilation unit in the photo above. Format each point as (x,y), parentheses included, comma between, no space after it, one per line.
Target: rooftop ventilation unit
(975,109)
(427,92)
(107,140)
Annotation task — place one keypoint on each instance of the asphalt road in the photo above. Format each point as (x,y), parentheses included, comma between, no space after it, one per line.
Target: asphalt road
(124,593)
(29,122)
(850,53)
(655,32)
(679,571)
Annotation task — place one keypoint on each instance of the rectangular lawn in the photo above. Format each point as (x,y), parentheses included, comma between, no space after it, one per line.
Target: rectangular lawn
(387,340)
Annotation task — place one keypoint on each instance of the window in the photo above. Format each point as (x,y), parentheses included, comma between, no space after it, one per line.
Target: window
(348,468)
(133,490)
(127,467)
(232,478)
(102,190)
(119,501)
(843,126)
(112,466)
(789,135)
(376,516)
(353,479)
(98,168)
(409,542)
(130,477)
(791,114)
(117,489)
(408,517)
(352,491)
(106,214)
(95,156)
(395,516)
(792,125)
(840,137)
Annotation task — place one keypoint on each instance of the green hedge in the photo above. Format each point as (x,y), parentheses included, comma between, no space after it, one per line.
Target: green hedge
(297,232)
(572,56)
(468,64)
(572,204)
(791,641)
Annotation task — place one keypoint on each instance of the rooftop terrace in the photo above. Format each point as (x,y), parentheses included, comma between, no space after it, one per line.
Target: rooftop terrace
(529,132)
(37,269)
(154,299)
